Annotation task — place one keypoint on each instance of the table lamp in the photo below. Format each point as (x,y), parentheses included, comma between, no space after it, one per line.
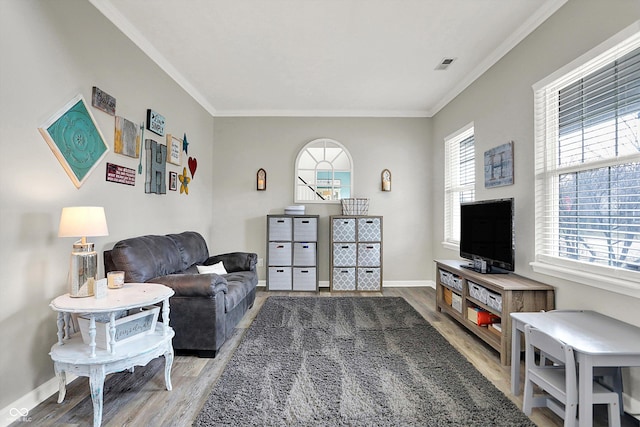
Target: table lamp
(83,221)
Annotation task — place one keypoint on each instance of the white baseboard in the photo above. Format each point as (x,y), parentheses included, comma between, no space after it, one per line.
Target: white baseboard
(409,284)
(385,284)
(19,410)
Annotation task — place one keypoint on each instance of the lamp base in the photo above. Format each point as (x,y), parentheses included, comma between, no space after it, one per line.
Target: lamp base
(83,270)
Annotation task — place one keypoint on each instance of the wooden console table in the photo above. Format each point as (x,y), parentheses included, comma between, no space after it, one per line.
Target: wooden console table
(516,294)
(71,354)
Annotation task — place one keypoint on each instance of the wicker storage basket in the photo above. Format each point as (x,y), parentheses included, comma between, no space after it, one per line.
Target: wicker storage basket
(355,206)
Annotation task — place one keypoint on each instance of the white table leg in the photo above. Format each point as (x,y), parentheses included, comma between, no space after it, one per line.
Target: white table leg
(60,323)
(92,335)
(585,391)
(67,325)
(96,384)
(515,356)
(112,332)
(165,316)
(62,382)
(168,362)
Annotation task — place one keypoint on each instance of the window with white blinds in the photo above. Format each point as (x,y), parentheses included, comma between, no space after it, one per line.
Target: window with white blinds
(459,182)
(588,165)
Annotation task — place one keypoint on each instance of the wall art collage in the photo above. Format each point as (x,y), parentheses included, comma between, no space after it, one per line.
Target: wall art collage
(75,139)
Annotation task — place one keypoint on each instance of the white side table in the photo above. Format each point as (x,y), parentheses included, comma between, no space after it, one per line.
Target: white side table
(71,354)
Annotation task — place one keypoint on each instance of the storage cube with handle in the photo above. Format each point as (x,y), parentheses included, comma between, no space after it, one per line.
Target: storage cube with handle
(280,229)
(305,229)
(304,253)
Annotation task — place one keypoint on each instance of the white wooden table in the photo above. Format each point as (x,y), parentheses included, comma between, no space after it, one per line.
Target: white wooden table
(597,340)
(71,354)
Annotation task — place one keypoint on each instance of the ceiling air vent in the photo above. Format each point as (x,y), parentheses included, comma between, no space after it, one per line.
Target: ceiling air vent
(444,64)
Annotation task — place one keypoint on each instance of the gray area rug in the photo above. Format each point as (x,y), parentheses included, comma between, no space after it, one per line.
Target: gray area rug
(351,361)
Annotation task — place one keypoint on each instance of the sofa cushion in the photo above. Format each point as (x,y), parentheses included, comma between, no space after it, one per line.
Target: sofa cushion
(193,249)
(248,277)
(145,257)
(234,296)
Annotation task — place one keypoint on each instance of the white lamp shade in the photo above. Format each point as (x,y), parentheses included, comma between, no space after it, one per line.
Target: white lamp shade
(83,221)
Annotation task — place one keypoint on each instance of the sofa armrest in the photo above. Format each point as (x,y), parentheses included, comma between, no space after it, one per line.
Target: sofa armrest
(193,285)
(235,261)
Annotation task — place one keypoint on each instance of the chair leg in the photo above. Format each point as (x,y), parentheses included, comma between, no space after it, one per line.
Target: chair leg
(617,387)
(613,414)
(570,415)
(527,397)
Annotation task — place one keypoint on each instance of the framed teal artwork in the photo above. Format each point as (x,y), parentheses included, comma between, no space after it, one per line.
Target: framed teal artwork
(74,137)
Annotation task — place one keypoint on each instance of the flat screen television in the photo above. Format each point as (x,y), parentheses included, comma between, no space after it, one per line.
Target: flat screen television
(486,235)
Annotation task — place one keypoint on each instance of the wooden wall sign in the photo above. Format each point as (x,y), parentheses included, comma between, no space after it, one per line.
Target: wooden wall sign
(120,174)
(103,101)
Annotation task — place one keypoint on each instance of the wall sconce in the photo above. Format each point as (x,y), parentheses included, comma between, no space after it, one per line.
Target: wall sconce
(386,180)
(261,180)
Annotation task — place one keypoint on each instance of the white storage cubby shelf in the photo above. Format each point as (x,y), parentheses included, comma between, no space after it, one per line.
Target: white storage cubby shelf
(356,253)
(458,288)
(292,252)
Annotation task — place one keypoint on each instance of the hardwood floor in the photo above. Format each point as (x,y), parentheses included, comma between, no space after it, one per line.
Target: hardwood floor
(140,398)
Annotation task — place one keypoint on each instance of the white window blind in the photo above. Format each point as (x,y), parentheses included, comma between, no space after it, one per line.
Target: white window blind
(459,179)
(588,165)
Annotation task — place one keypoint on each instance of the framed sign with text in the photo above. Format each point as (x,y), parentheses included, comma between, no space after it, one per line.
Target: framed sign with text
(155,122)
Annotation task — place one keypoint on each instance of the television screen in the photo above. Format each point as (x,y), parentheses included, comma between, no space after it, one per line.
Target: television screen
(486,233)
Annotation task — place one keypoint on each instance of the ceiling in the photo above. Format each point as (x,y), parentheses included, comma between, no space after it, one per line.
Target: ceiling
(370,58)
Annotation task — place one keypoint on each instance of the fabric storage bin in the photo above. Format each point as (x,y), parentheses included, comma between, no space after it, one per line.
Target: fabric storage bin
(304,253)
(478,292)
(368,279)
(369,230)
(279,278)
(456,282)
(344,279)
(445,277)
(494,301)
(369,254)
(344,229)
(304,279)
(305,229)
(279,253)
(456,302)
(344,254)
(446,294)
(280,228)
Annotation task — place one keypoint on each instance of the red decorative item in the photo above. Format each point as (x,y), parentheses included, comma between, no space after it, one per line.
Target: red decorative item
(486,318)
(193,165)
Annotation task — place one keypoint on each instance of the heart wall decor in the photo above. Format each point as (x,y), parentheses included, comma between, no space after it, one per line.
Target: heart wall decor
(193,165)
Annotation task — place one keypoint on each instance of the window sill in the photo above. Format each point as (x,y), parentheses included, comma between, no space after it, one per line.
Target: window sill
(451,246)
(607,283)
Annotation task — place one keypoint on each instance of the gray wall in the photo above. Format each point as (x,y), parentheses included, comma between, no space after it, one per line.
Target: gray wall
(500,103)
(51,51)
(243,145)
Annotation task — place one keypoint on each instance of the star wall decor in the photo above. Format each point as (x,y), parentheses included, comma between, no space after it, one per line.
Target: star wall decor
(184,181)
(185,144)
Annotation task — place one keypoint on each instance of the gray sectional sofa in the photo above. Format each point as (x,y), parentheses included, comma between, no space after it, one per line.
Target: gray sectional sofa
(206,307)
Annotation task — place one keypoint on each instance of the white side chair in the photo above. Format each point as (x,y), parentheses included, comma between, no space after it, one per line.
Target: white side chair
(559,383)
(611,375)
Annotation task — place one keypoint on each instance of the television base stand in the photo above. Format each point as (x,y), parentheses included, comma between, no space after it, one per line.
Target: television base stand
(489,270)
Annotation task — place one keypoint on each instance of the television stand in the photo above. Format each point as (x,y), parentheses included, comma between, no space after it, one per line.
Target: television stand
(460,291)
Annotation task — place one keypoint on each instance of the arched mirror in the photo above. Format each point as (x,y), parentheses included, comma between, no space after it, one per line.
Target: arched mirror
(324,172)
